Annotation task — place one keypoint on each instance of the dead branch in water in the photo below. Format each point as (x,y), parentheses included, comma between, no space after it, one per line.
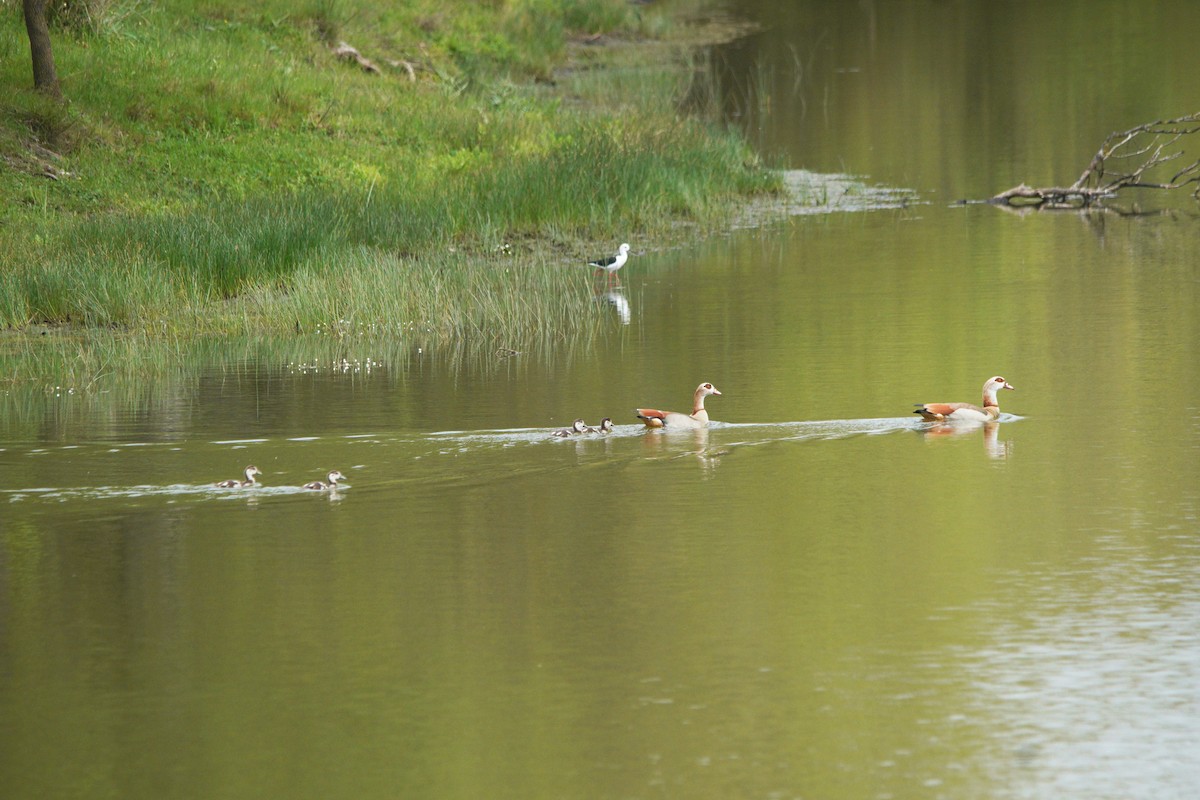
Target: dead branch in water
(1123,162)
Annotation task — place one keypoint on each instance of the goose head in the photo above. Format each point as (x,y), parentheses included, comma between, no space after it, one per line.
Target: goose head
(996,383)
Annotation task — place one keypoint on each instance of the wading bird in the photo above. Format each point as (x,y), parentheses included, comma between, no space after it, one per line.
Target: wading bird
(612,263)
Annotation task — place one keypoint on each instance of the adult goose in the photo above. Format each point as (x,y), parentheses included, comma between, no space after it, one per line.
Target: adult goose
(965,412)
(675,419)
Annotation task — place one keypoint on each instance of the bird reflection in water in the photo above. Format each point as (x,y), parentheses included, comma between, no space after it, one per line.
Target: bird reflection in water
(684,443)
(992,446)
(615,297)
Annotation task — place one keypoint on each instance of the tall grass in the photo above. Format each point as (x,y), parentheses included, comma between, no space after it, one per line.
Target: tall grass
(510,300)
(133,270)
(291,281)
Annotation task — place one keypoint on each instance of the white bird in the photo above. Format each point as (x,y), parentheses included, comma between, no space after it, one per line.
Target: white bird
(612,263)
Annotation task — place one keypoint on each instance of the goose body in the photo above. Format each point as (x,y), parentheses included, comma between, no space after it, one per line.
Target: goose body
(332,479)
(611,264)
(966,412)
(577,427)
(655,418)
(250,472)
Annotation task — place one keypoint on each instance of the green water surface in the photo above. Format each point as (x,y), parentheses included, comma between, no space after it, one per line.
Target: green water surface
(817,597)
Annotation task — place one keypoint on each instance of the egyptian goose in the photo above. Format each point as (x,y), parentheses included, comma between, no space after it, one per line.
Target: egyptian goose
(578,426)
(673,419)
(965,412)
(233,483)
(333,479)
(611,264)
(605,426)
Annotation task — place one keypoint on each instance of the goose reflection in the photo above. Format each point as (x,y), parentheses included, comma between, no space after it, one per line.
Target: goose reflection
(615,297)
(675,443)
(992,446)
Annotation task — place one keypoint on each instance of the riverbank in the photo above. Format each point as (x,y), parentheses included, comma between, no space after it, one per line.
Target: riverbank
(221,170)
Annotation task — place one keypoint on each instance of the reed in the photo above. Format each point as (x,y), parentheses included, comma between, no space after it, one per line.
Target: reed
(506,300)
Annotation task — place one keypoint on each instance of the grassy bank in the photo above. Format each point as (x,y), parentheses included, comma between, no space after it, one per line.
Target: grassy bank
(218,169)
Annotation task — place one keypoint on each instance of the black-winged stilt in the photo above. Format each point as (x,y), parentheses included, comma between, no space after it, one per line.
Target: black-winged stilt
(612,263)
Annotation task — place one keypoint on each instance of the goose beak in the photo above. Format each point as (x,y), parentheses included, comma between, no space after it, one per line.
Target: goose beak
(1008,386)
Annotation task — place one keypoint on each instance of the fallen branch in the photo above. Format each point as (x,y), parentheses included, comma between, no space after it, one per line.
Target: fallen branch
(407,66)
(349,53)
(1124,161)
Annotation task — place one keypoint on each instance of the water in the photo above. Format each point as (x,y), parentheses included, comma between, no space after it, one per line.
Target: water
(816,597)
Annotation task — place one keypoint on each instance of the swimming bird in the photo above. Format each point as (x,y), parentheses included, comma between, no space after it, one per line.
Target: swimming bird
(232,483)
(605,426)
(612,263)
(965,412)
(578,426)
(674,419)
(333,479)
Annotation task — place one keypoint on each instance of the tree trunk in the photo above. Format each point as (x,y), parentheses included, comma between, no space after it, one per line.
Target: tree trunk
(45,76)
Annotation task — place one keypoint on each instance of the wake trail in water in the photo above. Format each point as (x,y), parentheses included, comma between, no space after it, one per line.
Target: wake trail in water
(767,431)
(179,490)
(392,455)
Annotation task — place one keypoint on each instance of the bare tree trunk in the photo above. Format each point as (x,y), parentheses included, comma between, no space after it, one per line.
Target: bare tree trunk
(45,76)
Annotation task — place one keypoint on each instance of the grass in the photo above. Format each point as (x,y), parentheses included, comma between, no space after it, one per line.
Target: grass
(220,171)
